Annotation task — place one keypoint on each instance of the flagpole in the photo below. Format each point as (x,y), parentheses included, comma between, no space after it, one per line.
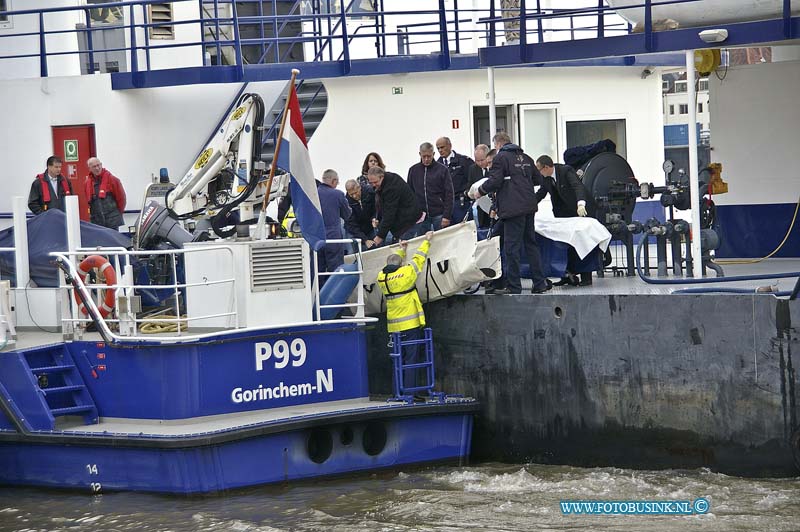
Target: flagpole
(262,216)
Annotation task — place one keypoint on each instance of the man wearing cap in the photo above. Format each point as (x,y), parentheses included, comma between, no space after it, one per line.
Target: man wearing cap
(404,314)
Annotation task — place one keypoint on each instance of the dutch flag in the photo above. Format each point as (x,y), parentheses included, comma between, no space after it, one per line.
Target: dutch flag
(295,160)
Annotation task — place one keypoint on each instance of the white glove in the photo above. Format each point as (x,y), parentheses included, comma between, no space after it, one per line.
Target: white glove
(582,210)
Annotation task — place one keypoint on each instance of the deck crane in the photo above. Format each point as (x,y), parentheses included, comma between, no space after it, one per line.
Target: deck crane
(228,173)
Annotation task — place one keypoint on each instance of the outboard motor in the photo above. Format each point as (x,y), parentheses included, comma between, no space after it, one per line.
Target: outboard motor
(155,229)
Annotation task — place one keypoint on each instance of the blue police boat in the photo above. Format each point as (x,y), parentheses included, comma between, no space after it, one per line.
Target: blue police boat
(256,376)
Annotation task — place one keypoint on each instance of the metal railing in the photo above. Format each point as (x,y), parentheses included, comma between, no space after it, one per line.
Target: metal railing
(122,261)
(359,305)
(327,32)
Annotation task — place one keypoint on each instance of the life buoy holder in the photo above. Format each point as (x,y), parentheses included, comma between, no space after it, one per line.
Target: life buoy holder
(102,264)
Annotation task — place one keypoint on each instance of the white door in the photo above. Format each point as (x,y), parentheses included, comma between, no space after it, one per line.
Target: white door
(539,130)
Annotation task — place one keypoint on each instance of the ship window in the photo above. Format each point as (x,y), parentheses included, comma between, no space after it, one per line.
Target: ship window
(683,108)
(539,128)
(355,8)
(703,85)
(680,86)
(5,20)
(672,109)
(161,14)
(105,15)
(585,132)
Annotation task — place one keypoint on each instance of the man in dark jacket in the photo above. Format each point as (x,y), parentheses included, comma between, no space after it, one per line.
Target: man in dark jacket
(361,199)
(512,178)
(459,166)
(105,195)
(334,210)
(49,188)
(570,199)
(396,205)
(434,190)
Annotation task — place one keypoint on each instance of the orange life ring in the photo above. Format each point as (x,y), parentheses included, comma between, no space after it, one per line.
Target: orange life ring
(96,261)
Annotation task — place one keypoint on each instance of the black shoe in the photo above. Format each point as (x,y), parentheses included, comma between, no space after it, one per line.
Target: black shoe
(506,291)
(586,279)
(568,280)
(542,289)
(421,398)
(493,289)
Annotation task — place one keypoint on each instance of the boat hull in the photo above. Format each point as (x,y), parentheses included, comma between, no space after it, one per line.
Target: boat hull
(226,411)
(323,447)
(647,381)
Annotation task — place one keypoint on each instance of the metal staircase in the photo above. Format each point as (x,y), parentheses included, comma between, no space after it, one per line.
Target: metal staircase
(58,385)
(313,99)
(406,377)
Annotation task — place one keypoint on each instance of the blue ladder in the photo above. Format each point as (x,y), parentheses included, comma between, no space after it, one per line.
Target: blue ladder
(401,392)
(60,384)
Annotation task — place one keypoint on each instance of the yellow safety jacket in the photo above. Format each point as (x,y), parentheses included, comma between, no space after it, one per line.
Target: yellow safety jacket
(403,307)
(288,221)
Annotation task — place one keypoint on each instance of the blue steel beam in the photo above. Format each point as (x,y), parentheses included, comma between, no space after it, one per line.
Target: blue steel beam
(359,67)
(739,34)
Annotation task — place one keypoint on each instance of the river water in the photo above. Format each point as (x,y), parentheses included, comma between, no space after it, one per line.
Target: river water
(483,497)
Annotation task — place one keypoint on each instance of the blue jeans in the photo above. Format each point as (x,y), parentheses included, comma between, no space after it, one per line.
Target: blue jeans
(460,211)
(430,223)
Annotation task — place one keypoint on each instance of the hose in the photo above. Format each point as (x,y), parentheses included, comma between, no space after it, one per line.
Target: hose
(755,261)
(756,277)
(221,219)
(720,290)
(154,327)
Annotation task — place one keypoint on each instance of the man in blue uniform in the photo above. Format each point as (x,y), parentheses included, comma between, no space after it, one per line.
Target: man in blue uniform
(511,178)
(570,199)
(334,210)
(459,166)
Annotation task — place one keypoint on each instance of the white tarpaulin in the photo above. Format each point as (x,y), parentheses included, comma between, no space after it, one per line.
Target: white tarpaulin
(456,261)
(582,233)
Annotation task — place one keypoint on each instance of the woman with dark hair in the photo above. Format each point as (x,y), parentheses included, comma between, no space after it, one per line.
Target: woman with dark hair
(372,159)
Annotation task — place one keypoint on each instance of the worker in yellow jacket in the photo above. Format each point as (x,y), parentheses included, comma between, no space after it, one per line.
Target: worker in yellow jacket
(404,312)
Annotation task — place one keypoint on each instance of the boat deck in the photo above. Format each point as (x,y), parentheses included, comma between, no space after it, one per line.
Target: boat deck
(187,428)
(613,285)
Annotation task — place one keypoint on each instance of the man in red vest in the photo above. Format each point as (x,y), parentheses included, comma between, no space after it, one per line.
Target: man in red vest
(105,195)
(49,188)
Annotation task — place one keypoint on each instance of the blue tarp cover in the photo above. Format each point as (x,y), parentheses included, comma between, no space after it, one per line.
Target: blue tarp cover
(48,232)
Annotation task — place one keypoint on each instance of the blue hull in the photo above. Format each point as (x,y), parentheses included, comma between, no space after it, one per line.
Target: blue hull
(286,456)
(228,411)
